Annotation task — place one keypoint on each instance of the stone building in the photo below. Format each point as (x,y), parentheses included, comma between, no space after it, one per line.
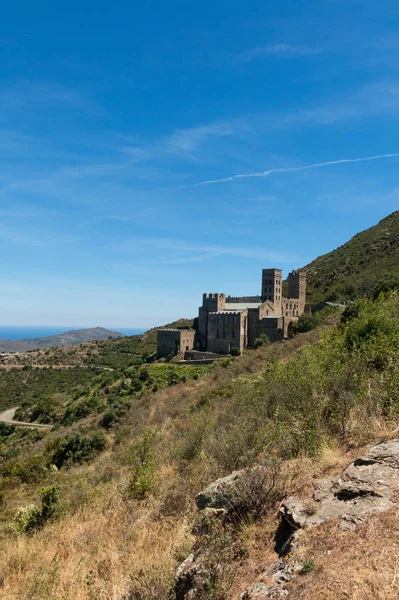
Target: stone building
(225,322)
(174,341)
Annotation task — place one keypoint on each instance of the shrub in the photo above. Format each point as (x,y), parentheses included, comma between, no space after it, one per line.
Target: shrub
(234,351)
(142,464)
(262,340)
(258,489)
(305,323)
(76,448)
(108,419)
(29,518)
(308,567)
(51,502)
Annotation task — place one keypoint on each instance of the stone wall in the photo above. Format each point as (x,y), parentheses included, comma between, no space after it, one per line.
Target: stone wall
(272,327)
(243,299)
(297,288)
(227,330)
(174,341)
(210,303)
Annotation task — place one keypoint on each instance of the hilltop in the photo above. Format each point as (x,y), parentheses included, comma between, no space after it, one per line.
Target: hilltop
(354,268)
(69,338)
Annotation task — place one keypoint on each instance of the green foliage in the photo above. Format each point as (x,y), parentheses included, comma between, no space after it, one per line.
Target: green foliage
(29,470)
(308,567)
(76,448)
(308,322)
(387,284)
(262,340)
(51,502)
(29,518)
(83,408)
(305,323)
(163,375)
(35,388)
(353,270)
(142,466)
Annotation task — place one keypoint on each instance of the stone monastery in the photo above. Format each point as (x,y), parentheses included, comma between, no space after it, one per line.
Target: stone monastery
(226,322)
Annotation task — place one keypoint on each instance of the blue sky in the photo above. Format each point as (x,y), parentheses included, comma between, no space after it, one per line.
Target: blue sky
(124,124)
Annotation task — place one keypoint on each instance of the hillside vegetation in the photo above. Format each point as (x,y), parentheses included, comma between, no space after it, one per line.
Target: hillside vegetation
(103,509)
(353,269)
(116,353)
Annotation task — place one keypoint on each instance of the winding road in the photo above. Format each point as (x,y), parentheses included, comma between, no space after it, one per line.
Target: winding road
(8,418)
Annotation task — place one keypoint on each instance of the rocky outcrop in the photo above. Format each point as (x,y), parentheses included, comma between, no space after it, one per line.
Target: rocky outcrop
(364,488)
(224,500)
(221,494)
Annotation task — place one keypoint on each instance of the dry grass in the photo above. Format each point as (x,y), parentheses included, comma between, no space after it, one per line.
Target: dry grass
(105,549)
(360,565)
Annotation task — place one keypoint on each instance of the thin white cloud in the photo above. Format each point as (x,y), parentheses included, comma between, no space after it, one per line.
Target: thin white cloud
(28,95)
(279,50)
(293,169)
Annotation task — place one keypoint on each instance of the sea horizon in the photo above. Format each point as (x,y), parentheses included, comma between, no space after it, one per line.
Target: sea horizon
(26,332)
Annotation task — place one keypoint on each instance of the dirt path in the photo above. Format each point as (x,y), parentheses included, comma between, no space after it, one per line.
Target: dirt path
(8,417)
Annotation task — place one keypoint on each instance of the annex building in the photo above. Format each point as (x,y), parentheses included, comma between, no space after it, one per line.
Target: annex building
(226,322)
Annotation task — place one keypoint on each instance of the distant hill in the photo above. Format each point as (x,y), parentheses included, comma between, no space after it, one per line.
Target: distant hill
(69,338)
(354,268)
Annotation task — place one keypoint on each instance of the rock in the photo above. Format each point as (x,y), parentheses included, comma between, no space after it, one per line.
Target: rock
(185,578)
(293,511)
(260,591)
(220,493)
(365,487)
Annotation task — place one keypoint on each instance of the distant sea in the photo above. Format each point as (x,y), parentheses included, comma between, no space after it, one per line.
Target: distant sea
(19,332)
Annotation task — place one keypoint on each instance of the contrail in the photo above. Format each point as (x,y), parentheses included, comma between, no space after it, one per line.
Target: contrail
(291,169)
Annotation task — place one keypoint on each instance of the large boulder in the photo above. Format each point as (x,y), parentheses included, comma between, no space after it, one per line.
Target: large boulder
(220,494)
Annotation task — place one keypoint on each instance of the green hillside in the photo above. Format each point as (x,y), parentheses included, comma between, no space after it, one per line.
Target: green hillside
(354,268)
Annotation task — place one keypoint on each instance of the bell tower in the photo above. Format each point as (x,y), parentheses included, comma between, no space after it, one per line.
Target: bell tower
(271,285)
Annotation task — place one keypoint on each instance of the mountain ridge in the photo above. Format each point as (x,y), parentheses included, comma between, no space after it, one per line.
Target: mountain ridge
(354,268)
(68,338)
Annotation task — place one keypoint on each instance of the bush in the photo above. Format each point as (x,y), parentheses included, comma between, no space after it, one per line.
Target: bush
(76,448)
(305,323)
(108,419)
(29,518)
(234,351)
(142,464)
(262,340)
(259,489)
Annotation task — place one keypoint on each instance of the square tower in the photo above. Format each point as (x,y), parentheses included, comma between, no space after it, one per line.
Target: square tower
(297,287)
(271,285)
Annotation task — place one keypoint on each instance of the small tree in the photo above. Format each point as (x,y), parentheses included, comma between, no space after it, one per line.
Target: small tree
(262,340)
(143,465)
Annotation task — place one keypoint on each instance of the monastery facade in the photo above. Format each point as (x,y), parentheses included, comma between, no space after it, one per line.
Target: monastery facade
(226,322)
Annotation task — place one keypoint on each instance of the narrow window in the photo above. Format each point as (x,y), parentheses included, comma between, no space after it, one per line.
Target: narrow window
(224,333)
(234,333)
(218,333)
